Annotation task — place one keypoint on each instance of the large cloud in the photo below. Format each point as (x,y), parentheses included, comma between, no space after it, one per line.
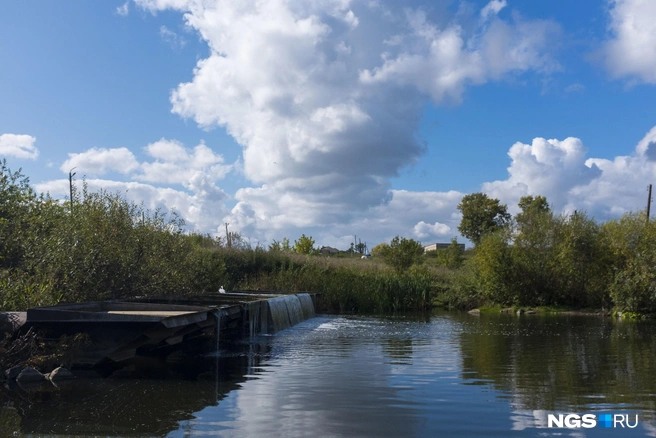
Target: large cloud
(325,97)
(98,161)
(175,164)
(201,209)
(19,146)
(545,167)
(631,49)
(197,170)
(560,171)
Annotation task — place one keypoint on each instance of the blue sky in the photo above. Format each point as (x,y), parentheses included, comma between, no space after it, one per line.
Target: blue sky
(333,117)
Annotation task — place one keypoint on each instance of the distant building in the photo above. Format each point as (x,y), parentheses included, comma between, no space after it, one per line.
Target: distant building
(436,246)
(327,250)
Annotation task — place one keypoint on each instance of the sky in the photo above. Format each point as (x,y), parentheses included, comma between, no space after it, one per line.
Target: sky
(333,118)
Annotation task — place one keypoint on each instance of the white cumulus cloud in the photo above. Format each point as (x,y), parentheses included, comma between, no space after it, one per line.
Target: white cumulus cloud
(199,209)
(423,230)
(176,164)
(325,97)
(199,201)
(19,146)
(545,167)
(560,170)
(631,49)
(98,161)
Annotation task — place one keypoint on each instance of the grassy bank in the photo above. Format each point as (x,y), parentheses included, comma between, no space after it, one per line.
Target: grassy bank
(101,246)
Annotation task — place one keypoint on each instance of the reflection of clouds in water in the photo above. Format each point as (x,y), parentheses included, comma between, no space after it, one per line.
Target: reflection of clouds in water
(650,428)
(526,419)
(301,389)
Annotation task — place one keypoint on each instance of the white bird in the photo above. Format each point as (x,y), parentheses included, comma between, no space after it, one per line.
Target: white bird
(221,290)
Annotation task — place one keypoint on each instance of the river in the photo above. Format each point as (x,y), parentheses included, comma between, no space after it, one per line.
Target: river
(445,374)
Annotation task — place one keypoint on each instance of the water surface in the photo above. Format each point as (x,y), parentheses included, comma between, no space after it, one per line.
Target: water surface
(446,374)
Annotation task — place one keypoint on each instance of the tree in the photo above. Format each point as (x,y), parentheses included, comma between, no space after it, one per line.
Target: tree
(280,245)
(304,245)
(451,257)
(380,250)
(533,209)
(481,215)
(402,253)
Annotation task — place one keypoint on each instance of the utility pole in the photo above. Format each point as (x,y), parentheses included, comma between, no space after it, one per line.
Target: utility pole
(648,203)
(71,174)
(227,235)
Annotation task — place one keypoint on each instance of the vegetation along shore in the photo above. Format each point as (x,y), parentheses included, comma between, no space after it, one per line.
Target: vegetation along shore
(101,246)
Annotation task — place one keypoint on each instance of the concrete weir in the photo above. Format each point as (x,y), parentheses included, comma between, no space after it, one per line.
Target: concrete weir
(122,330)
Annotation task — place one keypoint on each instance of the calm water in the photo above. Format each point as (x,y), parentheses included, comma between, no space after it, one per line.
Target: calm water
(334,376)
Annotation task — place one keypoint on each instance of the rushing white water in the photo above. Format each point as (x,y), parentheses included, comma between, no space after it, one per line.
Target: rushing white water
(294,309)
(307,305)
(278,313)
(289,310)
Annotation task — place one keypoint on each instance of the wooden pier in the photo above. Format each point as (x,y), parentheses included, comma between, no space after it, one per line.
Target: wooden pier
(121,330)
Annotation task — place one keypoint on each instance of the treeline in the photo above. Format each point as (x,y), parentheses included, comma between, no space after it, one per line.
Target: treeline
(100,246)
(539,258)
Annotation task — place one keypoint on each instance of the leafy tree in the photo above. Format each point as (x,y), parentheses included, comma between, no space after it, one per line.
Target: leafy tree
(451,257)
(402,253)
(275,246)
(481,215)
(359,248)
(578,263)
(494,265)
(280,245)
(534,209)
(380,250)
(304,245)
(631,242)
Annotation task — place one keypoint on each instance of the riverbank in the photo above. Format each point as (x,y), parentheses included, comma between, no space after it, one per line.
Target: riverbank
(101,246)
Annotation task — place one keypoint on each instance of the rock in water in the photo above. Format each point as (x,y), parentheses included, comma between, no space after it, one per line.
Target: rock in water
(60,374)
(30,375)
(13,372)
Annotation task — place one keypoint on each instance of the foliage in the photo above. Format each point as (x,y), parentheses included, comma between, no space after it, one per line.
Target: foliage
(403,253)
(280,246)
(111,248)
(481,215)
(352,285)
(380,250)
(547,260)
(451,257)
(304,245)
(631,241)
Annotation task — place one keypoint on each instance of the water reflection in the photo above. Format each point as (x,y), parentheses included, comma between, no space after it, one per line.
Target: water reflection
(566,363)
(449,374)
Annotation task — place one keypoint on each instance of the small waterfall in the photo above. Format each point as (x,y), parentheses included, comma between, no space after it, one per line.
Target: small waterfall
(289,310)
(294,309)
(307,305)
(258,320)
(279,313)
